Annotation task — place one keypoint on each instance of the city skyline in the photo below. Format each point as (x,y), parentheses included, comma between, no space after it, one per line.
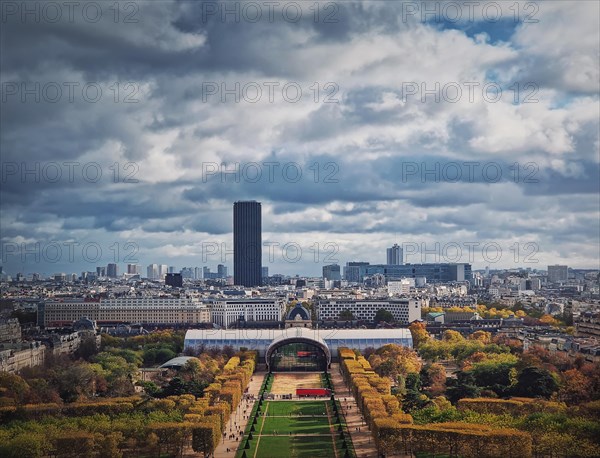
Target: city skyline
(286,256)
(223,271)
(392,139)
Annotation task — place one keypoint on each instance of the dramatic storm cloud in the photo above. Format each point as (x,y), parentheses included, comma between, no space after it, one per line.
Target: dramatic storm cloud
(357,124)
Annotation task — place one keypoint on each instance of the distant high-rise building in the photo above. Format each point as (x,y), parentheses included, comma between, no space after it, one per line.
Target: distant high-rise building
(152,272)
(558,274)
(197,273)
(101,272)
(132,269)
(171,270)
(332,272)
(352,271)
(112,270)
(247,243)
(186,272)
(222,271)
(395,255)
(265,272)
(163,269)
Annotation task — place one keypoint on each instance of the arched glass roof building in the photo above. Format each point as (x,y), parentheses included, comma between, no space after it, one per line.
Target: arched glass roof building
(272,342)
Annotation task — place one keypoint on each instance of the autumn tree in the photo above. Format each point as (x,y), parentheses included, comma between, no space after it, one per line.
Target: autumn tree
(549,320)
(42,391)
(434,377)
(109,445)
(515,345)
(575,387)
(452,336)
(13,388)
(74,444)
(419,333)
(392,360)
(75,381)
(434,350)
(204,439)
(482,336)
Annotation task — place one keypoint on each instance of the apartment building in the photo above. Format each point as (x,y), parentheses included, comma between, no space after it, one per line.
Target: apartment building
(144,310)
(404,310)
(225,312)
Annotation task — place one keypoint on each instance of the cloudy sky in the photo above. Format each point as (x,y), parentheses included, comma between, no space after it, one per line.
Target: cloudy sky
(132,131)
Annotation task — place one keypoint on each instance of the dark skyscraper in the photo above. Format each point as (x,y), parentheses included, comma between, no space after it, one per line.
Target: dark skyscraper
(395,255)
(247,243)
(112,270)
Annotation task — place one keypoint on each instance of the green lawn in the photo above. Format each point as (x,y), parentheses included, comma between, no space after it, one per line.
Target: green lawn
(283,417)
(308,424)
(296,408)
(290,446)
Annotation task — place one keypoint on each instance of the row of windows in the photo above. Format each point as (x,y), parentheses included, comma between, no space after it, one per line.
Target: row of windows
(125,301)
(130,316)
(130,309)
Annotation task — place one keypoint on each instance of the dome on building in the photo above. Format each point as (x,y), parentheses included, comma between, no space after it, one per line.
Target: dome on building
(84,324)
(298,313)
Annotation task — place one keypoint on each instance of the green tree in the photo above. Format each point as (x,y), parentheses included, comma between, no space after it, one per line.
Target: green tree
(25,445)
(413,382)
(346,315)
(75,381)
(495,377)
(109,445)
(87,348)
(536,382)
(414,399)
(463,386)
(203,439)
(384,315)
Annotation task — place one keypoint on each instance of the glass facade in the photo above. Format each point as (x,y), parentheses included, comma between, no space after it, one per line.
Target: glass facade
(434,272)
(262,344)
(298,357)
